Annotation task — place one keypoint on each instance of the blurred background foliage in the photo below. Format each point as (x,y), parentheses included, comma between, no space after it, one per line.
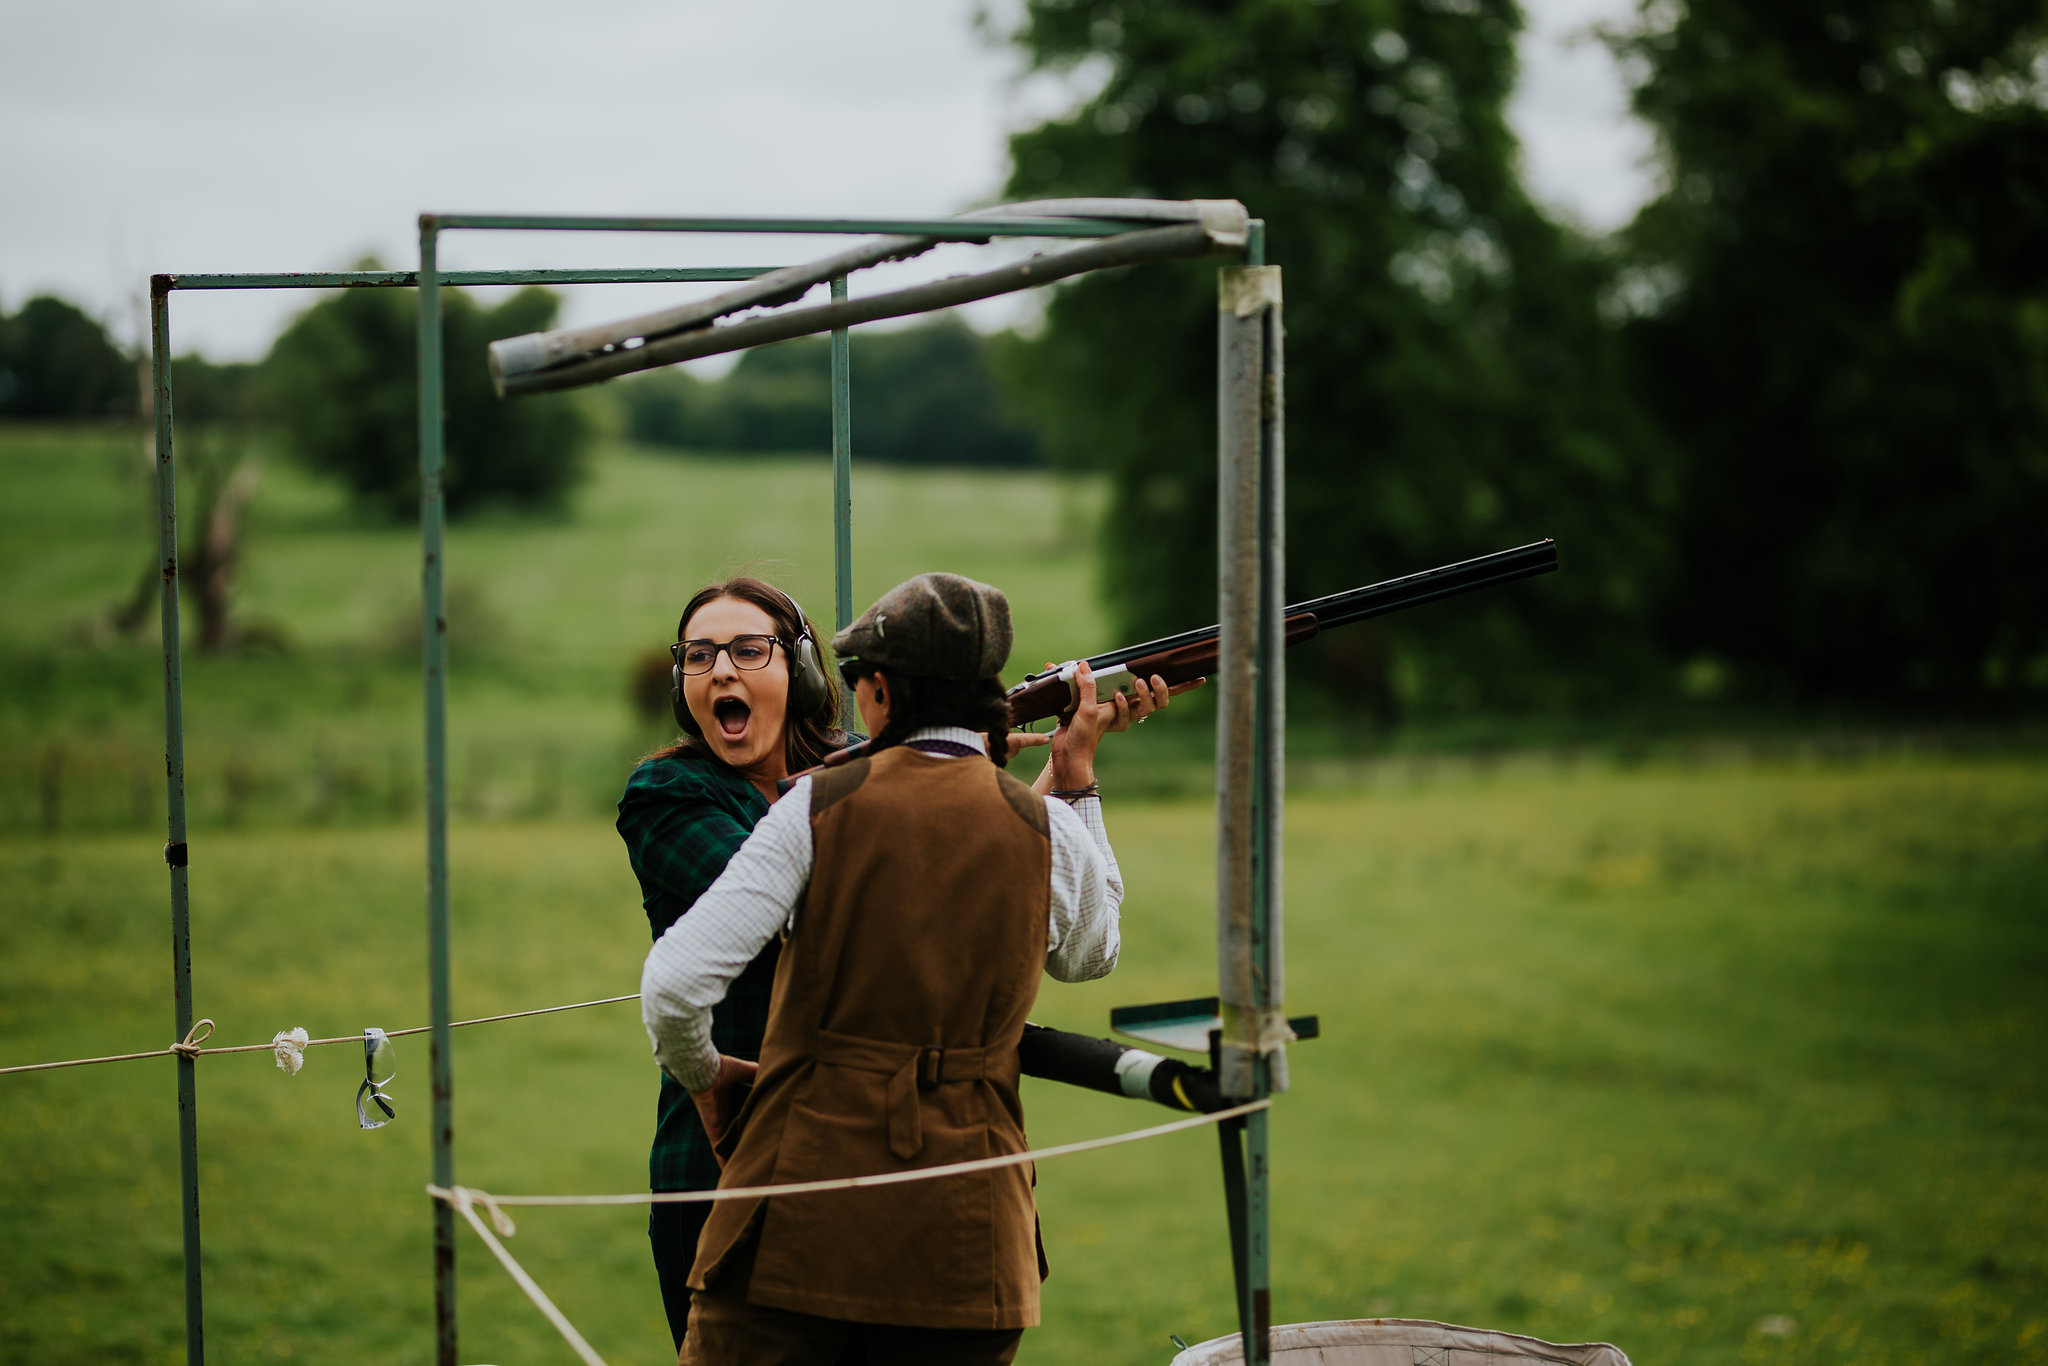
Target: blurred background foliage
(1790,426)
(925,395)
(57,362)
(343,396)
(1839,309)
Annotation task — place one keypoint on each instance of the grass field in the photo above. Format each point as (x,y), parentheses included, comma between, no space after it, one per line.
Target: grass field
(1669,1058)
(1726,1063)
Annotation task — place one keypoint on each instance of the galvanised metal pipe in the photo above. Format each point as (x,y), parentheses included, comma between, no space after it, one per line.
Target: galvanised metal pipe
(842,470)
(1239,369)
(1240,376)
(405,279)
(1251,561)
(434,637)
(1151,244)
(1269,799)
(1269,805)
(175,851)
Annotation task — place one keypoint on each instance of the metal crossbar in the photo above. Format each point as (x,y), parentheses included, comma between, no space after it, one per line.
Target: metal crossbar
(945,229)
(406,279)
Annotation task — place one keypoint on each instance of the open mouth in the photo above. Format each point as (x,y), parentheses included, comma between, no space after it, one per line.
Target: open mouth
(731,715)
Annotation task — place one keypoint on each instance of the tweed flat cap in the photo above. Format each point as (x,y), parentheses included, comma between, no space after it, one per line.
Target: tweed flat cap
(936,625)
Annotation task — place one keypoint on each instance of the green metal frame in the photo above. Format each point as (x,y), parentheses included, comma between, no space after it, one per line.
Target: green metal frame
(176,849)
(1248,1197)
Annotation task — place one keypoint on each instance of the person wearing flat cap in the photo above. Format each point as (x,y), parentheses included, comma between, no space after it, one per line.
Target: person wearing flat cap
(918,891)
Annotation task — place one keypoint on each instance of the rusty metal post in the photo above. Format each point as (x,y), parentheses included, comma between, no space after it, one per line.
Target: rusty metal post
(1251,718)
(434,663)
(175,853)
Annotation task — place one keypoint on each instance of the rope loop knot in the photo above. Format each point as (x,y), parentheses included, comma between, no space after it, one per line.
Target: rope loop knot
(189,1047)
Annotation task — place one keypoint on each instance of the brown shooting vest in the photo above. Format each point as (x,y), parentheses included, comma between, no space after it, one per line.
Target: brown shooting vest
(900,996)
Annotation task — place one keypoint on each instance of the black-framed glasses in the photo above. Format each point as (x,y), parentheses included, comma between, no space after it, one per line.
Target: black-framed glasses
(852,671)
(380,1065)
(745,652)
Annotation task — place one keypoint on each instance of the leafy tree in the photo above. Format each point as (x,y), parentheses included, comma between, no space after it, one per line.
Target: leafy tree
(216,392)
(923,395)
(1844,322)
(56,362)
(343,392)
(1451,389)
(929,396)
(669,407)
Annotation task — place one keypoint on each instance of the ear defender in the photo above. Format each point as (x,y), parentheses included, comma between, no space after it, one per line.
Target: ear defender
(808,687)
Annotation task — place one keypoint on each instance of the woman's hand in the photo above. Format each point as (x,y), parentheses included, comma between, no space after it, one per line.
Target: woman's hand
(719,1103)
(1072,765)
(1021,740)
(1147,696)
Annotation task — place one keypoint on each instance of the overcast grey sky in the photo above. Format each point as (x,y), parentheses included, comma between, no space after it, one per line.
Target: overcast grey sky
(220,135)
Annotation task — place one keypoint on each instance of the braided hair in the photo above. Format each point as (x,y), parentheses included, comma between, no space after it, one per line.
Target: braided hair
(919,700)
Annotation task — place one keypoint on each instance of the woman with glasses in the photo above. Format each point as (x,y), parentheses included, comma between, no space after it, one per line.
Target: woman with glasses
(915,896)
(755,704)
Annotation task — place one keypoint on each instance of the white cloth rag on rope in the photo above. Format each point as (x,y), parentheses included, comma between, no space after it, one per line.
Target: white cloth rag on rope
(290,1047)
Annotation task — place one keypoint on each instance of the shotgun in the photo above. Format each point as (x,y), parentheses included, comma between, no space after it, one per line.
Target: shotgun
(1191,655)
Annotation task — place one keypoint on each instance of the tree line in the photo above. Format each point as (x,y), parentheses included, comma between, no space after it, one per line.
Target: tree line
(1790,426)
(928,394)
(338,388)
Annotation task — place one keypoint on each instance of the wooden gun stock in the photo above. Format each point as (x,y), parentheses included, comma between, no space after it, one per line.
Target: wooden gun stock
(1053,694)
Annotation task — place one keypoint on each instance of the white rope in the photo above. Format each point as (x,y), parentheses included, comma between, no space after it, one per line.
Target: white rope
(189,1047)
(841,1183)
(466,1198)
(461,1201)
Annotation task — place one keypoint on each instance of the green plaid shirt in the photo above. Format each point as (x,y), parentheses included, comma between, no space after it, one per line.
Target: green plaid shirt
(682,820)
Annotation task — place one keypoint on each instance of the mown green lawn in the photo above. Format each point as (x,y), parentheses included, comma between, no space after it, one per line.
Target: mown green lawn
(1666,1057)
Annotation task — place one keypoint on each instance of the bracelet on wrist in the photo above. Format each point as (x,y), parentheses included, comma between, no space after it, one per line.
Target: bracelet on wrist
(1075,794)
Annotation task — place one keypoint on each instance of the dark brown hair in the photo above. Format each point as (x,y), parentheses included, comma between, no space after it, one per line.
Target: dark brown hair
(806,740)
(917,701)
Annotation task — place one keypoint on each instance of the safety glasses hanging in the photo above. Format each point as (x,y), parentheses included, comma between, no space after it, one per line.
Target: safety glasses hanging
(380,1064)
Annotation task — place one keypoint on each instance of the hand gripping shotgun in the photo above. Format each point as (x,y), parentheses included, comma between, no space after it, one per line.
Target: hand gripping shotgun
(1192,654)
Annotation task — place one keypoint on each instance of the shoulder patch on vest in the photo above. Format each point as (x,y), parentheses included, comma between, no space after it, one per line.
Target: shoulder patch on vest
(1029,806)
(836,784)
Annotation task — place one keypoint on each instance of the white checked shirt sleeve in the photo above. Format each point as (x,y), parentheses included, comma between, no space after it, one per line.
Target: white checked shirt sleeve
(694,963)
(1087,893)
(691,966)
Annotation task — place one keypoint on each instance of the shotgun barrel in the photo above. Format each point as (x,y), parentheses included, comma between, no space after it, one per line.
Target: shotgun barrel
(1373,600)
(1192,654)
